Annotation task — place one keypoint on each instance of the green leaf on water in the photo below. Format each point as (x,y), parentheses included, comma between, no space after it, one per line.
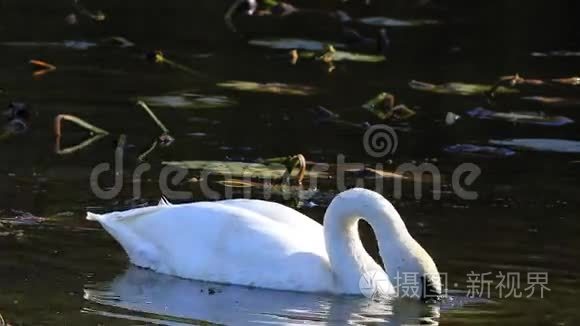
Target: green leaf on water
(293,43)
(238,169)
(395,22)
(274,88)
(189,101)
(383,107)
(456,88)
(358,57)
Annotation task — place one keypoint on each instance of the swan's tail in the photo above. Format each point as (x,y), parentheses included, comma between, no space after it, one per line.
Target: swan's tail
(93,217)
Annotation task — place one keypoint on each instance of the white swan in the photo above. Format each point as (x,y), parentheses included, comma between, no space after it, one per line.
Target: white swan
(268,245)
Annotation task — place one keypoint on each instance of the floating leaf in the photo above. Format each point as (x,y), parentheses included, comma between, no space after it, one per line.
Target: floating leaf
(479,150)
(520,117)
(274,88)
(541,144)
(455,88)
(383,107)
(395,22)
(556,54)
(70,44)
(358,57)
(285,190)
(235,169)
(20,218)
(553,101)
(294,43)
(332,55)
(189,101)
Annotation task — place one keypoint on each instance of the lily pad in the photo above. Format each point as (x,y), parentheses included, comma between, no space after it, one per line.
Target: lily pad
(70,44)
(396,22)
(236,169)
(561,53)
(274,88)
(294,43)
(541,144)
(383,106)
(358,57)
(455,88)
(293,191)
(189,101)
(520,117)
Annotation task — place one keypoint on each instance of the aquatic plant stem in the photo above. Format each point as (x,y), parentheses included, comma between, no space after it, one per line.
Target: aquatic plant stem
(76,148)
(80,122)
(153,116)
(230,13)
(143,155)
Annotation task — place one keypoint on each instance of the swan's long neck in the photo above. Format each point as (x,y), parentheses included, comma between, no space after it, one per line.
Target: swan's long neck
(348,258)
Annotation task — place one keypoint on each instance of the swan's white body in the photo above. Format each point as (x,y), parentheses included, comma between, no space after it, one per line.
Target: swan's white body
(265,244)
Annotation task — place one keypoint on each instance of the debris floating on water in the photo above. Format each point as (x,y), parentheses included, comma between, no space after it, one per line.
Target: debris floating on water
(479,149)
(78,121)
(455,88)
(451,118)
(540,144)
(520,117)
(383,106)
(41,67)
(274,88)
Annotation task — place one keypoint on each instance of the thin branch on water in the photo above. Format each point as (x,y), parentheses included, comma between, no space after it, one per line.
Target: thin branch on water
(151,148)
(230,13)
(158,57)
(80,122)
(153,116)
(42,67)
(76,148)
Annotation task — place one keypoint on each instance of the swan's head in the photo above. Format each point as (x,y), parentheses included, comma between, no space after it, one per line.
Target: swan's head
(409,267)
(418,276)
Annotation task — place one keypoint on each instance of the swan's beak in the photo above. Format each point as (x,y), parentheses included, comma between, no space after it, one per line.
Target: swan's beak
(431,292)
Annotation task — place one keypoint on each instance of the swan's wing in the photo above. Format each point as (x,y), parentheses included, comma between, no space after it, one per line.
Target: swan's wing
(276,212)
(221,242)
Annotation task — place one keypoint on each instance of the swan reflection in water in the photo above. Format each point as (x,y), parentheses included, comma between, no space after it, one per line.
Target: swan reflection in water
(143,295)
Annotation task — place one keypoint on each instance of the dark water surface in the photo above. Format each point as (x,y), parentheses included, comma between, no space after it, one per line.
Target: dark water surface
(57,268)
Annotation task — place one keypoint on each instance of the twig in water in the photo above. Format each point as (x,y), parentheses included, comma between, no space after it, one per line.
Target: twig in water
(230,13)
(99,133)
(153,116)
(158,57)
(75,148)
(78,121)
(98,16)
(143,155)
(43,67)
